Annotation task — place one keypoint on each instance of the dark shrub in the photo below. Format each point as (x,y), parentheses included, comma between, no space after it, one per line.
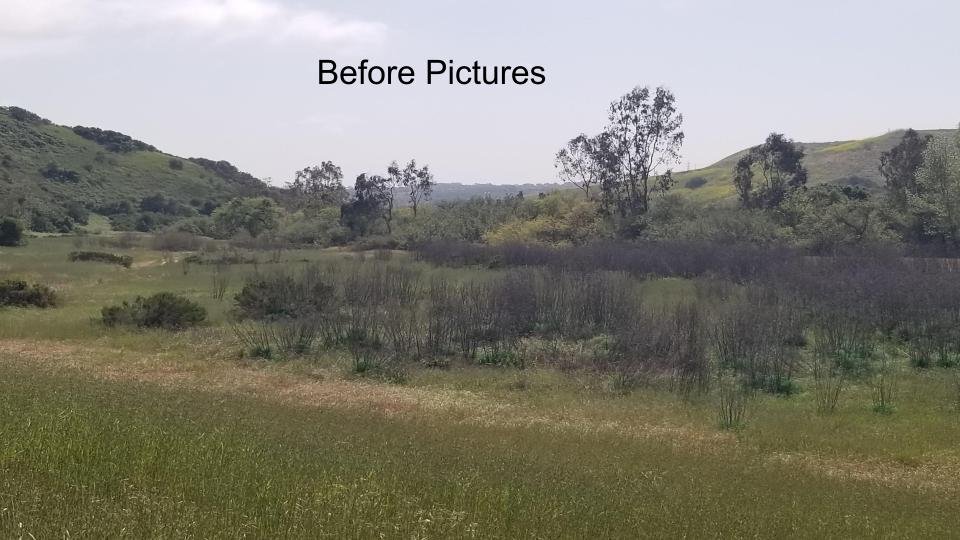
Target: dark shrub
(54,172)
(77,212)
(11,232)
(162,310)
(695,182)
(159,204)
(50,221)
(98,256)
(23,115)
(112,140)
(18,293)
(175,164)
(115,208)
(139,222)
(284,296)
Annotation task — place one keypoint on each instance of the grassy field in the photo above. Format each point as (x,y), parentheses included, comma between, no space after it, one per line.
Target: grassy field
(110,433)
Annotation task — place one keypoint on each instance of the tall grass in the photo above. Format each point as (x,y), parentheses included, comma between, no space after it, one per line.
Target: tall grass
(86,459)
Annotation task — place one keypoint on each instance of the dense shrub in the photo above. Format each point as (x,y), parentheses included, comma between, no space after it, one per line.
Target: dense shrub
(23,115)
(58,174)
(98,256)
(141,222)
(159,204)
(11,232)
(227,171)
(162,310)
(115,208)
(50,220)
(284,296)
(20,294)
(77,212)
(112,140)
(197,226)
(695,182)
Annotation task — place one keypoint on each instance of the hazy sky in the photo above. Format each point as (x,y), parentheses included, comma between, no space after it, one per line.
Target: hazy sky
(237,79)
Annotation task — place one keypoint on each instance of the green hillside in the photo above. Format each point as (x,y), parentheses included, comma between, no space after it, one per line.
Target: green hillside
(844,162)
(44,168)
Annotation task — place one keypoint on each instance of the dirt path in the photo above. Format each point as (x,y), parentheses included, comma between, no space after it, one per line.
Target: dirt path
(329,390)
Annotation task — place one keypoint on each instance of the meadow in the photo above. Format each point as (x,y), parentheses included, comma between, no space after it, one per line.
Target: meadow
(110,432)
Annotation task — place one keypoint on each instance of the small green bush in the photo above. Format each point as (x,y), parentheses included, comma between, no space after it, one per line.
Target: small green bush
(18,293)
(11,232)
(162,310)
(98,256)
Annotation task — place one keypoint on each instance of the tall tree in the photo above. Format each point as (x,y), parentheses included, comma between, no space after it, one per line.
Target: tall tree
(936,202)
(780,162)
(319,186)
(899,168)
(418,182)
(370,199)
(643,137)
(578,162)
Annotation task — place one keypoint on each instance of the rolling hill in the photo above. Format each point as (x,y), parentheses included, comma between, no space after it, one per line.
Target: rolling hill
(853,163)
(47,169)
(44,168)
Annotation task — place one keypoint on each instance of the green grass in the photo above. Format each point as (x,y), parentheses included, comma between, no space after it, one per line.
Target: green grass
(108,433)
(90,459)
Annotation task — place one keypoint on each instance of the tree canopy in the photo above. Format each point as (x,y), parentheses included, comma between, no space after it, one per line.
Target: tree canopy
(780,163)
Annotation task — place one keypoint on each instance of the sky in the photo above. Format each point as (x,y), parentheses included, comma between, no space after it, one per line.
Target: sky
(237,79)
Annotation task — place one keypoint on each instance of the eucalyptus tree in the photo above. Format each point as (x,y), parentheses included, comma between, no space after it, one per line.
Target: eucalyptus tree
(319,186)
(636,150)
(578,162)
(936,202)
(418,182)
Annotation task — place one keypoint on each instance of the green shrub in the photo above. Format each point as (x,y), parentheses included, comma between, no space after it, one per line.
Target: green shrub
(18,293)
(98,256)
(284,296)
(162,310)
(11,232)
(500,357)
(50,220)
(54,172)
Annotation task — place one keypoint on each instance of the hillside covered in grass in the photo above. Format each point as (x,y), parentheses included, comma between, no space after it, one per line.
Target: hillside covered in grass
(50,175)
(850,163)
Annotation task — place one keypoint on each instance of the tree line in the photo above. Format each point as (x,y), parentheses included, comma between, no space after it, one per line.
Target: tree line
(627,166)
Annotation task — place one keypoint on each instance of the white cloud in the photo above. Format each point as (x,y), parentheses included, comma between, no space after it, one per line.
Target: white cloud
(26,25)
